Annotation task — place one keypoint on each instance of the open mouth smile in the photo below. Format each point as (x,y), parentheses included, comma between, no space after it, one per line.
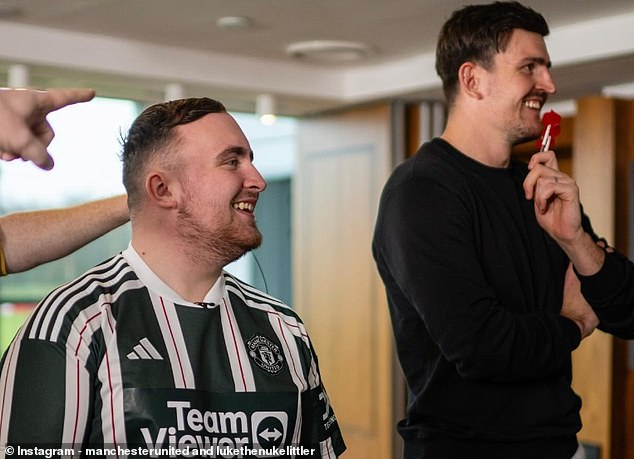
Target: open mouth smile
(244,206)
(533,104)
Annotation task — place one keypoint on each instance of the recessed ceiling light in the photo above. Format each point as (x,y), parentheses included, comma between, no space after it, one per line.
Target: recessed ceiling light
(233,22)
(328,50)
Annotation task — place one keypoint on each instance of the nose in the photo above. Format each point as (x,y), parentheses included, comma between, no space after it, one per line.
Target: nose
(254,179)
(546,82)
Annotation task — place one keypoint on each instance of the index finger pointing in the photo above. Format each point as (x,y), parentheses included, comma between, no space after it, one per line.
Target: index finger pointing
(56,98)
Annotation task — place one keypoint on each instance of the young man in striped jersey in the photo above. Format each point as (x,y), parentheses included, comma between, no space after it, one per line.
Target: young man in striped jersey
(158,350)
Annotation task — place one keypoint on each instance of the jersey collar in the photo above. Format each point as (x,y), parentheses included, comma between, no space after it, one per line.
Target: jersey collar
(145,274)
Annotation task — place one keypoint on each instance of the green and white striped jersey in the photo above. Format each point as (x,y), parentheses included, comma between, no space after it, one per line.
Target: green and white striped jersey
(116,359)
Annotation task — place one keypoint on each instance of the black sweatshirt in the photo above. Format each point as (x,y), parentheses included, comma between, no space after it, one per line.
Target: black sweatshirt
(611,293)
(475,287)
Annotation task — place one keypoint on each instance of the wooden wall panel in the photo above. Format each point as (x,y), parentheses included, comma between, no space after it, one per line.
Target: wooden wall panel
(623,375)
(593,168)
(342,165)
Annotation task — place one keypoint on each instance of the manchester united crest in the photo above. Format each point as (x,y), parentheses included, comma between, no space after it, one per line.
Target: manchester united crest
(266,354)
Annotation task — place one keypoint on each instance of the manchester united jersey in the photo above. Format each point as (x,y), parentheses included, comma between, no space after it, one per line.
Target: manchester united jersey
(117,360)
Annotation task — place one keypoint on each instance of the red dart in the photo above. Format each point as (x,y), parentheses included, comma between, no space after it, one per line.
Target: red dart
(551,128)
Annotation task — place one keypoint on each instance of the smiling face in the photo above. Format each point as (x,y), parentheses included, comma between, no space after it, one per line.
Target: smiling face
(219,188)
(517,85)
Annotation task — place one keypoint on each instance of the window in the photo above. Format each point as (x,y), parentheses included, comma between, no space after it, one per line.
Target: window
(269,267)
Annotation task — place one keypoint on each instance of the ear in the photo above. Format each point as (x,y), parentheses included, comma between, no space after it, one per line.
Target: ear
(161,190)
(470,80)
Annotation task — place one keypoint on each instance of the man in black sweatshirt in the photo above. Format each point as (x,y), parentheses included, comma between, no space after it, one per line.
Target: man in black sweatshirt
(485,309)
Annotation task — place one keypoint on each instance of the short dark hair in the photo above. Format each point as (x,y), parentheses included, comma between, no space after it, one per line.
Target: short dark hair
(152,132)
(476,33)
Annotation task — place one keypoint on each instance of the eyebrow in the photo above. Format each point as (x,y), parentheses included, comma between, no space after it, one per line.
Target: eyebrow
(235,151)
(537,60)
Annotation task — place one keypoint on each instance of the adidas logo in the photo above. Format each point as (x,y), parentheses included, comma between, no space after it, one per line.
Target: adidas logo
(145,351)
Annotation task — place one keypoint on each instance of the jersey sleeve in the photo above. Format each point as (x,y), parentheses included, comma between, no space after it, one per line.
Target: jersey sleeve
(320,430)
(320,433)
(40,379)
(32,381)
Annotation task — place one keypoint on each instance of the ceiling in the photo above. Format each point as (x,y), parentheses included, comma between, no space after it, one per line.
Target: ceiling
(134,48)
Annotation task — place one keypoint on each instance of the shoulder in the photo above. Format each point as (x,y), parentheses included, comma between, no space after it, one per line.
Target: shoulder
(253,297)
(434,166)
(434,178)
(246,299)
(80,299)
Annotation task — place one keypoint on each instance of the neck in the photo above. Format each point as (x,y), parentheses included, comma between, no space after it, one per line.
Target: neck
(483,145)
(173,263)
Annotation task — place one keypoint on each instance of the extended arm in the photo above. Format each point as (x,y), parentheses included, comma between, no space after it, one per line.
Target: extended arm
(32,238)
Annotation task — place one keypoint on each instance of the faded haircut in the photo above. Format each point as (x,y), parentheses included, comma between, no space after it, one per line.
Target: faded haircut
(151,137)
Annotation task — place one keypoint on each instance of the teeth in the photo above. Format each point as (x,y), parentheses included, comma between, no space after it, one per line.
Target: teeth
(243,206)
(533,104)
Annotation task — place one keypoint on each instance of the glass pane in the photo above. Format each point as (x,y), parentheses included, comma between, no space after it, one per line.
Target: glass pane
(274,156)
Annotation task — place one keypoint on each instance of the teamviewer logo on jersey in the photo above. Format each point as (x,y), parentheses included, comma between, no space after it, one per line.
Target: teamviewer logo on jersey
(144,350)
(269,428)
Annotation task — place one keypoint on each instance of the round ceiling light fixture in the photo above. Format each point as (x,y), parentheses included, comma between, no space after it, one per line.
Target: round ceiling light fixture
(233,22)
(328,50)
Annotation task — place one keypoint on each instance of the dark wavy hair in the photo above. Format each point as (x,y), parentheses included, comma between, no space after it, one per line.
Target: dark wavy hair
(151,137)
(476,33)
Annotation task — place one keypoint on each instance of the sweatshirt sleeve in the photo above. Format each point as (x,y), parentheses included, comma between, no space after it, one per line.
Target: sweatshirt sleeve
(425,244)
(611,293)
